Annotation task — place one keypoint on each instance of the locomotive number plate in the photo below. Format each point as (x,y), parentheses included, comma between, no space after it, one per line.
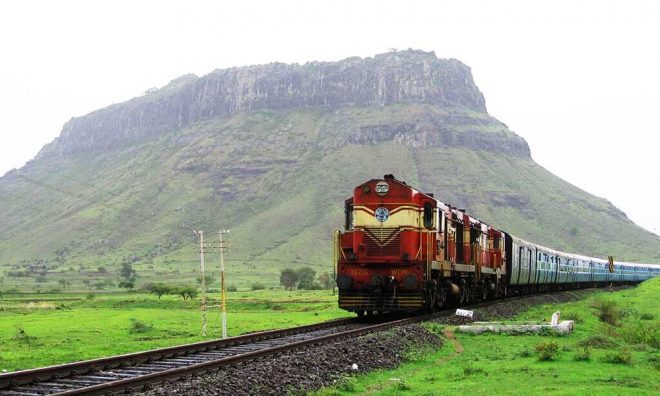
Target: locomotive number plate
(358,272)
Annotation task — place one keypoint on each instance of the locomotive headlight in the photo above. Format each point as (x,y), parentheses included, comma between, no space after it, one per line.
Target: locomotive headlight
(410,281)
(344,281)
(382,188)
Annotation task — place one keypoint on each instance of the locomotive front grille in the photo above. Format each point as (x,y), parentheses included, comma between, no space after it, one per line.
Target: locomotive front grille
(357,301)
(382,242)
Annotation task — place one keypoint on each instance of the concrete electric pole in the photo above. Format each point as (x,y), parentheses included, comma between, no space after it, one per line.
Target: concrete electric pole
(223,299)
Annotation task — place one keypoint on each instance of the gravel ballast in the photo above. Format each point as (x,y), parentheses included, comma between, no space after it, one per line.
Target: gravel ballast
(310,368)
(307,368)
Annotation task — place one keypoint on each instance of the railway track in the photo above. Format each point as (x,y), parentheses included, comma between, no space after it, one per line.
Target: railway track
(135,370)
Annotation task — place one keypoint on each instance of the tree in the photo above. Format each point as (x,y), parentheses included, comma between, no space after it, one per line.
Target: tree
(187,292)
(88,283)
(209,279)
(306,277)
(326,280)
(288,278)
(100,284)
(127,276)
(159,289)
(64,283)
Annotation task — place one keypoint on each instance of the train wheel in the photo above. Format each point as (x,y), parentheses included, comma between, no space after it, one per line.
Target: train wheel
(484,291)
(441,299)
(431,301)
(360,314)
(463,294)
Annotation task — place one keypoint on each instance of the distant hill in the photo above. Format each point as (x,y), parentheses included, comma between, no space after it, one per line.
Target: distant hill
(271,152)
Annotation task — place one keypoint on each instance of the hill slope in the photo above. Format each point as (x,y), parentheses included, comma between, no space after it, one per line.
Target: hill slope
(271,152)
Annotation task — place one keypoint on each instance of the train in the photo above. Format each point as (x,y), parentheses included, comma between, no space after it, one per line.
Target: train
(403,250)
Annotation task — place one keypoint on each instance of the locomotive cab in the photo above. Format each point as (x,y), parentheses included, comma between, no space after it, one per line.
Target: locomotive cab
(386,247)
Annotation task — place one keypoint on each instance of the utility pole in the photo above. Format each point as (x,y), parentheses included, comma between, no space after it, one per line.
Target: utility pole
(223,299)
(203,273)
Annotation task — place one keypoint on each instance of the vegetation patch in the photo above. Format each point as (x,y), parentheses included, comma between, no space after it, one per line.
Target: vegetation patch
(611,351)
(583,354)
(598,341)
(547,350)
(115,323)
(608,312)
(618,357)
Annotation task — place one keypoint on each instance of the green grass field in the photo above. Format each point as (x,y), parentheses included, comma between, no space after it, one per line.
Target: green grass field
(596,359)
(39,330)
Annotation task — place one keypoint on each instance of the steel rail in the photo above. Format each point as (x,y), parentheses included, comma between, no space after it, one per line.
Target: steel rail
(85,366)
(141,381)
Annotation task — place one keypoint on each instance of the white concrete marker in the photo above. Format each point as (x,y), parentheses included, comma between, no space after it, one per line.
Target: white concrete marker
(464,312)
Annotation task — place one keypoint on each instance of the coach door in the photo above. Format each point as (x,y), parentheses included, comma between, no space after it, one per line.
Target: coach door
(532,266)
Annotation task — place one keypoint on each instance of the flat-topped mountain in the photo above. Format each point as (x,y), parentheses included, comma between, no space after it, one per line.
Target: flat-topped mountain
(271,151)
(401,77)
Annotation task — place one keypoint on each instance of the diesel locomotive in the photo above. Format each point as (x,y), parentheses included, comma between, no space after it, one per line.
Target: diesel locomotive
(403,250)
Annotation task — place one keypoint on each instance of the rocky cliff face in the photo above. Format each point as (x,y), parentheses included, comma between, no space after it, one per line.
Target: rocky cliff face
(413,76)
(271,152)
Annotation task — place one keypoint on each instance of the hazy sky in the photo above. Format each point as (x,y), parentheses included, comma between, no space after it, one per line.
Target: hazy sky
(579,80)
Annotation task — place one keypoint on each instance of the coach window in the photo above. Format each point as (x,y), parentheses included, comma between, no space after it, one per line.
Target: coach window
(428,215)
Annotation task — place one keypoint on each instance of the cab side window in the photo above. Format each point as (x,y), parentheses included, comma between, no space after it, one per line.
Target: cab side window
(428,215)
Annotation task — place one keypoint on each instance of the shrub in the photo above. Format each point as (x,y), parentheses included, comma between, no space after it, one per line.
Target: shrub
(402,385)
(469,370)
(608,312)
(90,296)
(654,360)
(258,286)
(41,279)
(574,316)
(232,288)
(434,327)
(138,326)
(314,286)
(647,316)
(583,354)
(23,337)
(346,384)
(618,357)
(547,350)
(597,341)
(642,333)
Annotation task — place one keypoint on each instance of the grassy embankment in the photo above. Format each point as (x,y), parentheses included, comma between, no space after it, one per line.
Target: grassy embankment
(614,350)
(39,330)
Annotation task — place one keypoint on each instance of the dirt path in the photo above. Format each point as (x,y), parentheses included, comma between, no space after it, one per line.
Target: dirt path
(458,347)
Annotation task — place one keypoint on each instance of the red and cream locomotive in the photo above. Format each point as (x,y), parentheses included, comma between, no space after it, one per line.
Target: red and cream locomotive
(403,250)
